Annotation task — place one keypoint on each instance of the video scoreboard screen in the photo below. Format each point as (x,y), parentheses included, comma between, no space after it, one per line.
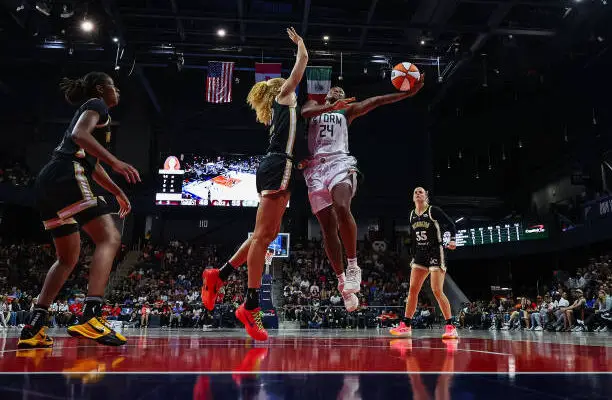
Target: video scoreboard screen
(503,233)
(193,180)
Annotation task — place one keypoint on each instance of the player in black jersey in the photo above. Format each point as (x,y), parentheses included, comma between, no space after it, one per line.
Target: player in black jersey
(66,202)
(276,106)
(426,224)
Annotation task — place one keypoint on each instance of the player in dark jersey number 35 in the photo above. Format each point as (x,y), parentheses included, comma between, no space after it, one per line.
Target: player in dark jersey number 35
(66,202)
(426,227)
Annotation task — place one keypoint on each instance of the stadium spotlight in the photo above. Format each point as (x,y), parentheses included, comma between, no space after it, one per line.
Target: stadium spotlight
(87,25)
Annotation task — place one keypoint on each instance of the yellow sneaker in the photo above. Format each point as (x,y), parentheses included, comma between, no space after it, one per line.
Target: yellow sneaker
(99,330)
(34,338)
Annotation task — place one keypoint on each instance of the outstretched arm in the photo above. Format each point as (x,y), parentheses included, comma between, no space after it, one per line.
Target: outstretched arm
(300,65)
(363,107)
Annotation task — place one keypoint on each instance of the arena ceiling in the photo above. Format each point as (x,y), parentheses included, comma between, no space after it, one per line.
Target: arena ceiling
(487,61)
(451,39)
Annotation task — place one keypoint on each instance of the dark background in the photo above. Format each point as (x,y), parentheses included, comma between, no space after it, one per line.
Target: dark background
(513,122)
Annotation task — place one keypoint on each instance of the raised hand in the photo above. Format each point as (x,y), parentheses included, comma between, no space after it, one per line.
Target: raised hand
(295,38)
(418,85)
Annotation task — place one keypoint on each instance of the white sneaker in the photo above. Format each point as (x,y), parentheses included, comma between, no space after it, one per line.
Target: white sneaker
(604,329)
(538,328)
(353,280)
(351,302)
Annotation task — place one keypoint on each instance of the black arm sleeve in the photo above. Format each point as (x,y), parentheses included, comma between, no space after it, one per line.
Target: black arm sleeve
(445,221)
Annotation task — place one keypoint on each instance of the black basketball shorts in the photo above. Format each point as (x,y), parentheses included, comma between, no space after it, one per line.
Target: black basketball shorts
(65,199)
(274,175)
(431,257)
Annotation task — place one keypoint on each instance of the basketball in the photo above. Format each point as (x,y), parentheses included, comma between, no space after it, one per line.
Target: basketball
(404,75)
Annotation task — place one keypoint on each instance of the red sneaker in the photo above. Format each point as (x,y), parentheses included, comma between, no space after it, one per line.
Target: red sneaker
(252,322)
(210,287)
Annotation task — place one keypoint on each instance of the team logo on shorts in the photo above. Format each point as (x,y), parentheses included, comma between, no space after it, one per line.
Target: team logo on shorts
(433,261)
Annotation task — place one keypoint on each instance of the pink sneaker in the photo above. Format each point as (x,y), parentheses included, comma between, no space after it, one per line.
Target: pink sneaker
(401,330)
(450,332)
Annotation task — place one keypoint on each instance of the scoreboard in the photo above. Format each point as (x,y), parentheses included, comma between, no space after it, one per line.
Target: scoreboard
(503,233)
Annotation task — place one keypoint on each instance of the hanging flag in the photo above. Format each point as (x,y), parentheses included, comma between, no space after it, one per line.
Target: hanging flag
(267,71)
(219,82)
(319,83)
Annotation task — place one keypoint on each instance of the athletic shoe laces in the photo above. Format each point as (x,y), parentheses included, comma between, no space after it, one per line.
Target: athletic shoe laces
(105,322)
(257,317)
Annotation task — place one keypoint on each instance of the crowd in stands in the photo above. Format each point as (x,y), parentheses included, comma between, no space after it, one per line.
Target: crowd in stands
(311,296)
(23,267)
(163,289)
(578,302)
(15,173)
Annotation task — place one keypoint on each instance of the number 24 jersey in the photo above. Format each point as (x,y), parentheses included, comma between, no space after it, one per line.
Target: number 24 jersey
(328,134)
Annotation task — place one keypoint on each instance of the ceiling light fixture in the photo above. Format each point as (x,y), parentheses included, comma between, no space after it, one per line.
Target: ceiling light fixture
(87,25)
(43,8)
(221,32)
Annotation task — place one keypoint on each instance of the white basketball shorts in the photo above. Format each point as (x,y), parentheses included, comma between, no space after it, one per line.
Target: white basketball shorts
(324,173)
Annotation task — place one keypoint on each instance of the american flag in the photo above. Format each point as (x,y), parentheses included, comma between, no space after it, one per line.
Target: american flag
(219,82)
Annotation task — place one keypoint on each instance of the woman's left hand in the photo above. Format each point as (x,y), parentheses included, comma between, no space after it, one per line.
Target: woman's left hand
(124,204)
(295,38)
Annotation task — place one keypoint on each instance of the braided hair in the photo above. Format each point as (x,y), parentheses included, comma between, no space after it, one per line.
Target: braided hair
(79,90)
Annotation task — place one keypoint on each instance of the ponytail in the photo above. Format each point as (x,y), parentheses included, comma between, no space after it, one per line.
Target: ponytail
(74,90)
(77,91)
(261,97)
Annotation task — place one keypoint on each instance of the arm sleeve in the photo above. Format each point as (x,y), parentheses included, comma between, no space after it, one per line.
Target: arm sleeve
(445,221)
(98,106)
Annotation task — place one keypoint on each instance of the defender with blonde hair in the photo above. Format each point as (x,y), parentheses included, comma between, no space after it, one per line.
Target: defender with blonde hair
(275,105)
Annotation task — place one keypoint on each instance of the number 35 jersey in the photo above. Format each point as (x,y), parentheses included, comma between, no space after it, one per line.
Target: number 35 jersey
(428,228)
(328,134)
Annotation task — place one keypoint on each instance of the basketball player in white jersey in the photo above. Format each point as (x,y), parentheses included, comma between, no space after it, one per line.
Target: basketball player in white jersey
(330,175)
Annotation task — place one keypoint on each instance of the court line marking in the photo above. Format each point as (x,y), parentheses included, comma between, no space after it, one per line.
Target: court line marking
(308,372)
(298,372)
(280,345)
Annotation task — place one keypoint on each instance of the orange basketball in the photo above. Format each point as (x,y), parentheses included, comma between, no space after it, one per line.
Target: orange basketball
(404,75)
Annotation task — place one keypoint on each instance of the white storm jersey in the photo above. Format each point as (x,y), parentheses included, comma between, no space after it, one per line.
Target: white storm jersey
(328,134)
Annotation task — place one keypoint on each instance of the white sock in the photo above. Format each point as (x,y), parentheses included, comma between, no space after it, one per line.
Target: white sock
(352,262)
(341,277)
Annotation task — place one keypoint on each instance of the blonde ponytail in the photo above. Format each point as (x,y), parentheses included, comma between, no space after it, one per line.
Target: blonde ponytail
(262,96)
